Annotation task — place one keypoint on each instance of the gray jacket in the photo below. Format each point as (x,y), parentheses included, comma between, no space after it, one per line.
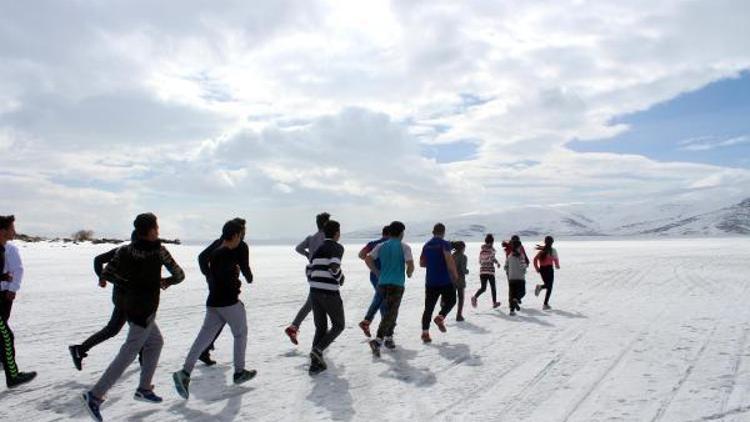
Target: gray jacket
(515,267)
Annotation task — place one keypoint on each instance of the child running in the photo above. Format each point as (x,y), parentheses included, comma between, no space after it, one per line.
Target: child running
(137,268)
(543,261)
(439,280)
(460,259)
(377,299)
(395,258)
(515,267)
(325,278)
(223,306)
(487,263)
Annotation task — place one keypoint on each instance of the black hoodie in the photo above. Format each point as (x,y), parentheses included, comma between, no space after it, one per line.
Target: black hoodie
(136,268)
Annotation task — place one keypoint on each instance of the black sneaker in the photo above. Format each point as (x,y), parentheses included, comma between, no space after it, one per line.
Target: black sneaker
(317,363)
(205,357)
(244,376)
(20,378)
(389,343)
(92,405)
(77,354)
(375,347)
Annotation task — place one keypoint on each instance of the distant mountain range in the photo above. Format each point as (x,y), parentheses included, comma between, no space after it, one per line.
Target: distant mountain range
(670,219)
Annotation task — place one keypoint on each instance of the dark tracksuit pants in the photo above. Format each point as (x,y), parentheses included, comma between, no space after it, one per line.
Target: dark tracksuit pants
(432,294)
(5,307)
(326,304)
(113,327)
(516,290)
(7,351)
(392,296)
(484,279)
(548,277)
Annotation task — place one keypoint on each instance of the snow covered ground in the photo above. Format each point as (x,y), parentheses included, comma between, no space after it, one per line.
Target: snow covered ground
(640,330)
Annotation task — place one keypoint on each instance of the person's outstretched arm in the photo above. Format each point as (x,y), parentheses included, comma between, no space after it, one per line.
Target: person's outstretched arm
(177,275)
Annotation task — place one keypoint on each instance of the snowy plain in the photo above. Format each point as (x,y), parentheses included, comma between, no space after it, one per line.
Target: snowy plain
(640,330)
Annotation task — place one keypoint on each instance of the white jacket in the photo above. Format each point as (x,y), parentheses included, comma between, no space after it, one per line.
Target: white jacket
(14,266)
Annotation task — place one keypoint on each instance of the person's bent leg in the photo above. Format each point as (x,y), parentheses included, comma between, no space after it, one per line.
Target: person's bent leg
(431,297)
(460,294)
(548,291)
(211,324)
(7,351)
(137,336)
(448,295)
(212,345)
(151,351)
(303,312)
(236,317)
(483,286)
(116,321)
(334,308)
(375,305)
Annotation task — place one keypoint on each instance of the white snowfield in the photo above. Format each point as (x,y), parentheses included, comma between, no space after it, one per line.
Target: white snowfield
(641,330)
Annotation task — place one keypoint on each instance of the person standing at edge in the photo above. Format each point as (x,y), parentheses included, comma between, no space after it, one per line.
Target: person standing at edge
(223,306)
(116,321)
(11,274)
(307,248)
(439,280)
(243,261)
(325,277)
(377,299)
(137,268)
(395,258)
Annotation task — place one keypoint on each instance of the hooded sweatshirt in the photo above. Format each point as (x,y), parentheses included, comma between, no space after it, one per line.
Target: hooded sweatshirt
(487,259)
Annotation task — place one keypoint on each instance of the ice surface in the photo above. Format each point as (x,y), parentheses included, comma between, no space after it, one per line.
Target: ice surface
(640,330)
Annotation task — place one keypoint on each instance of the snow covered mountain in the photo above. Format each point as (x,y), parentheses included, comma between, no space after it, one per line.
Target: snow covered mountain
(668,219)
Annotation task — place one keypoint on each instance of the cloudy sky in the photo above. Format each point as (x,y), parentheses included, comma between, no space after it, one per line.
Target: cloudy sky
(200,111)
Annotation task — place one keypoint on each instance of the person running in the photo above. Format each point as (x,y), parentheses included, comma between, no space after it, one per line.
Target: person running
(377,299)
(79,351)
(543,263)
(223,306)
(395,259)
(243,261)
(487,263)
(507,246)
(460,259)
(325,278)
(515,268)
(307,248)
(137,268)
(11,274)
(439,280)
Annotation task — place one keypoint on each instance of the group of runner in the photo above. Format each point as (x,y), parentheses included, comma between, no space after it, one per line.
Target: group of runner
(135,272)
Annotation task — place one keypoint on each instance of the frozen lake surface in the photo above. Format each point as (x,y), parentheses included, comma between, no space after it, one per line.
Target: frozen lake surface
(641,330)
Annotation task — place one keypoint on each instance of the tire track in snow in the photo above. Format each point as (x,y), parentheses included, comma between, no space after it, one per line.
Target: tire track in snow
(735,370)
(688,371)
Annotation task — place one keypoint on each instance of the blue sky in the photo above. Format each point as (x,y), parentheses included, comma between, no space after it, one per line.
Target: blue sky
(710,125)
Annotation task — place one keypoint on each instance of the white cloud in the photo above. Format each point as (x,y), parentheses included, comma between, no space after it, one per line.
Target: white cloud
(709,143)
(276,110)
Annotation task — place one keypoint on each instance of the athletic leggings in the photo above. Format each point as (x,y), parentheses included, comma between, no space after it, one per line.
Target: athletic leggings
(432,294)
(460,293)
(7,351)
(484,279)
(516,290)
(548,277)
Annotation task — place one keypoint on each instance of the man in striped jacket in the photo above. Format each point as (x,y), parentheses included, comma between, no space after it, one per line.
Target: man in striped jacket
(325,277)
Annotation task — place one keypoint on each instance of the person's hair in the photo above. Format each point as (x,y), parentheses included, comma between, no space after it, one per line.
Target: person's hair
(458,246)
(489,239)
(331,228)
(515,237)
(230,229)
(240,221)
(6,221)
(547,249)
(386,231)
(143,223)
(515,246)
(321,219)
(396,228)
(439,229)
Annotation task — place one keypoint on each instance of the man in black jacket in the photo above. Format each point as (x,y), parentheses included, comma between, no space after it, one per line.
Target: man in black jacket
(116,321)
(223,306)
(137,269)
(242,253)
